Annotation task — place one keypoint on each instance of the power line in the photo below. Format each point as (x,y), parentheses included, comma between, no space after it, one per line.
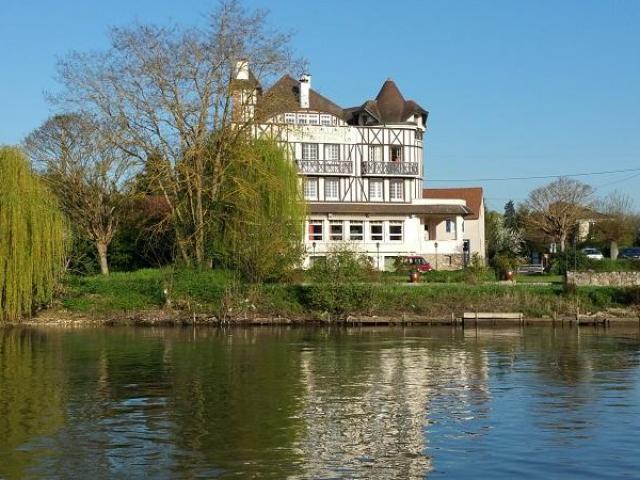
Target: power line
(534,177)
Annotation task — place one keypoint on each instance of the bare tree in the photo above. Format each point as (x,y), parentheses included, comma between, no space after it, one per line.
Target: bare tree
(87,174)
(554,209)
(166,95)
(616,222)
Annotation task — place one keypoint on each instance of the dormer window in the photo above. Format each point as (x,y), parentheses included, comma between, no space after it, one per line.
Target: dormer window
(395,153)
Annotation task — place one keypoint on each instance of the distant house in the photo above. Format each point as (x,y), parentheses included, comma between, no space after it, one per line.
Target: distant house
(362,173)
(472,225)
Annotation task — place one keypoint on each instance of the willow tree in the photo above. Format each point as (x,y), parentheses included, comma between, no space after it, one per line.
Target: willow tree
(260,213)
(32,234)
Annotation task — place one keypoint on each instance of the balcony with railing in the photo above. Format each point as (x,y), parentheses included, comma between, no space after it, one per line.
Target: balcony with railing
(408,169)
(325,167)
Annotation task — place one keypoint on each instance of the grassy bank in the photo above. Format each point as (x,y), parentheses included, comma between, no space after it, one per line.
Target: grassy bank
(218,294)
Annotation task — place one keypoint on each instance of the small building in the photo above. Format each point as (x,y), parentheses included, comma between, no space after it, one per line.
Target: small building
(473,224)
(362,173)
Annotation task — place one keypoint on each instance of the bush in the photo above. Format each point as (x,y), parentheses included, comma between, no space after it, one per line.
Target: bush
(338,286)
(505,263)
(569,260)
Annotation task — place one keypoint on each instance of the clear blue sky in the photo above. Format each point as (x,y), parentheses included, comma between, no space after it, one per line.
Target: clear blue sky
(514,88)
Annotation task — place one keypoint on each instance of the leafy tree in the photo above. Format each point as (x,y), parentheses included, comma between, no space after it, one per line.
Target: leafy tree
(502,240)
(615,224)
(554,209)
(510,216)
(260,213)
(161,93)
(32,237)
(87,174)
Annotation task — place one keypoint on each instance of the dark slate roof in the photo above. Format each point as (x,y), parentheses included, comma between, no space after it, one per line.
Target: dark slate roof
(388,209)
(471,195)
(388,107)
(284,96)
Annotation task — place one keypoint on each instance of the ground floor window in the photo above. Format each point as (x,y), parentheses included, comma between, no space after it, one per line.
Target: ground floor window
(376,231)
(395,231)
(315,230)
(335,231)
(451,226)
(356,230)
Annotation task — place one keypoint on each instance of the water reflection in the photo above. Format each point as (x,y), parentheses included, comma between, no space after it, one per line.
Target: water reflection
(334,403)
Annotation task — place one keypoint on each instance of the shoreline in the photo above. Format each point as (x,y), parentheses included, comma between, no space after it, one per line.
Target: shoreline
(164,318)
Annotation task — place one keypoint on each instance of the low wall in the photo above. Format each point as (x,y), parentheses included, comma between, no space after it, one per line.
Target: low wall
(604,279)
(454,261)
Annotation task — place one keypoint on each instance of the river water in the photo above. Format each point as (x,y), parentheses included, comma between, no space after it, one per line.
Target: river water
(320,403)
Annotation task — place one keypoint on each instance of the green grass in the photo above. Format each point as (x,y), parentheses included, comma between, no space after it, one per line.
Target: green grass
(215,291)
(540,278)
(143,290)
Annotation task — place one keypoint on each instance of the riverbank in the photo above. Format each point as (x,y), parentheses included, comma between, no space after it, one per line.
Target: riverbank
(181,297)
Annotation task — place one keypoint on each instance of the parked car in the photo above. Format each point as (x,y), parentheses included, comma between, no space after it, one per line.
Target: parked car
(413,263)
(632,253)
(592,253)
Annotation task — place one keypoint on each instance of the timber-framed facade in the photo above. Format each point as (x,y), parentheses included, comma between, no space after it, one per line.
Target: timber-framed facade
(361,171)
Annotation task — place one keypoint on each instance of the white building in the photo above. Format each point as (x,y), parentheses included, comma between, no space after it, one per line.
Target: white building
(362,171)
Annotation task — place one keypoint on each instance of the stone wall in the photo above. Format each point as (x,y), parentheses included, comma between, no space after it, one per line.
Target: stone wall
(453,261)
(604,279)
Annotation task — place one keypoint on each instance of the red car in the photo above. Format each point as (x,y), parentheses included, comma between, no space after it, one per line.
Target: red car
(414,263)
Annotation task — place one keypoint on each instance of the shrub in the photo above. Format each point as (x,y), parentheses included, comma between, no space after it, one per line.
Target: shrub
(569,260)
(338,286)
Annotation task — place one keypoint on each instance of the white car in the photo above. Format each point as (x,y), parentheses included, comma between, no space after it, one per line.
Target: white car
(592,253)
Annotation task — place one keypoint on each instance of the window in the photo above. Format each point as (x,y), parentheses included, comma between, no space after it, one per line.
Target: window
(462,226)
(313,119)
(331,189)
(290,118)
(376,190)
(395,153)
(332,151)
(396,191)
(310,151)
(356,230)
(375,229)
(375,153)
(395,231)
(326,120)
(451,226)
(315,230)
(302,118)
(335,231)
(311,188)
(426,231)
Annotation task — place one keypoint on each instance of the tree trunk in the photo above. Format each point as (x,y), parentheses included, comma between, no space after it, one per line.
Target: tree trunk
(102,254)
(614,249)
(563,241)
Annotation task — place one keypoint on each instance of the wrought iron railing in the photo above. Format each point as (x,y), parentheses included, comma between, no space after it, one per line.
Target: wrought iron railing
(391,168)
(318,167)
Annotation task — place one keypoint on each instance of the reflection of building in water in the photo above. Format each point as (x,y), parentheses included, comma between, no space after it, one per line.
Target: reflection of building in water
(367,419)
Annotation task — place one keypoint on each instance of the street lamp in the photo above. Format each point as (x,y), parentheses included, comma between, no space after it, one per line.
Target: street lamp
(435,244)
